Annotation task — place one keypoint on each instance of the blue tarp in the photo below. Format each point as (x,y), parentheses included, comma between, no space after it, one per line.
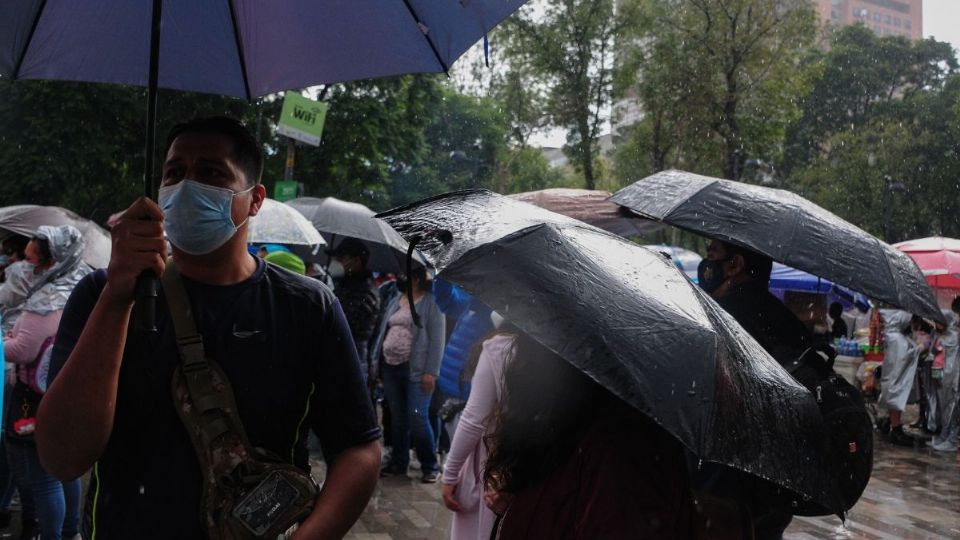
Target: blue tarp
(785,278)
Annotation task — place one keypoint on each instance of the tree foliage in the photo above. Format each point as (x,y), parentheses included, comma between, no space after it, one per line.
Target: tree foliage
(568,47)
(726,70)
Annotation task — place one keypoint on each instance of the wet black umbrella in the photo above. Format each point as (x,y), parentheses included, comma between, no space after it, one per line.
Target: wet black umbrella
(788,229)
(629,319)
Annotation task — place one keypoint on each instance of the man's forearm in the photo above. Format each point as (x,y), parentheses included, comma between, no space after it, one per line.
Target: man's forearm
(345,493)
(76,414)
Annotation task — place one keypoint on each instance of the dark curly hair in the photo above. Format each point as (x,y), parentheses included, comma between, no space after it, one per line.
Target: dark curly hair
(547,407)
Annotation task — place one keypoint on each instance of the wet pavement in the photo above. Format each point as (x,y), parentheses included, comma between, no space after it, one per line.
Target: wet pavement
(913,494)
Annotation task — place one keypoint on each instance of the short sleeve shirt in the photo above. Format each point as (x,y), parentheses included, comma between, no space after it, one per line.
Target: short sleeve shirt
(283,342)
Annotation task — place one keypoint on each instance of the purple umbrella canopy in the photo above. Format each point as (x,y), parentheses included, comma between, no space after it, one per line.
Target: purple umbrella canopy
(240,48)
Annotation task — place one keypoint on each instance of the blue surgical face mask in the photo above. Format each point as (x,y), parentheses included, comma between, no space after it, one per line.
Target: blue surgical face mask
(198,217)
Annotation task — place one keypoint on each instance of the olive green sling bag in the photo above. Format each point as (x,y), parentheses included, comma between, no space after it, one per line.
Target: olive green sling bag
(248,493)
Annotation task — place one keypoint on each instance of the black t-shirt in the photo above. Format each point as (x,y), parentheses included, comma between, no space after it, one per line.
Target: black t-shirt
(283,342)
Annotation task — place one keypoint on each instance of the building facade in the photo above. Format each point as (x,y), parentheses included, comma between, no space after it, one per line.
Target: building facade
(884,17)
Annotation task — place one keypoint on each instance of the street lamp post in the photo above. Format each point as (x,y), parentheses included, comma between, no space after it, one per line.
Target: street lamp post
(889,189)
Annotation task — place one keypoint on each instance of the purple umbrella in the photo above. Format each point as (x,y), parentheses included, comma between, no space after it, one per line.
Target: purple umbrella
(235,47)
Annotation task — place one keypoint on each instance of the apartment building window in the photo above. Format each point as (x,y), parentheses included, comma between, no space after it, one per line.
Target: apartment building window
(896,22)
(876,17)
(886,19)
(861,13)
(906,23)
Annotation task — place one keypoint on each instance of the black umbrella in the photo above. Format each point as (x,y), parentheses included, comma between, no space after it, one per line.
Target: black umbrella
(629,319)
(788,229)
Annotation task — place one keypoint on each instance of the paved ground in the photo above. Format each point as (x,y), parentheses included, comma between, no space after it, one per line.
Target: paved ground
(913,494)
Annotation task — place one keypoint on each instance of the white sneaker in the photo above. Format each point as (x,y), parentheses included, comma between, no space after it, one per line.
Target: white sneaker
(944,446)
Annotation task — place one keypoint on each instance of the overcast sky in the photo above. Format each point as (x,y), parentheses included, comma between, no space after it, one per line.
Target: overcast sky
(941,19)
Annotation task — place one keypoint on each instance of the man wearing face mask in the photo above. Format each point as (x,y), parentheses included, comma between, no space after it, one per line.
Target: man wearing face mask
(357,293)
(738,279)
(280,338)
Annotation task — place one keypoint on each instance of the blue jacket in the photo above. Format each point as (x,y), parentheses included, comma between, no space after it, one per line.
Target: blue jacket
(473,324)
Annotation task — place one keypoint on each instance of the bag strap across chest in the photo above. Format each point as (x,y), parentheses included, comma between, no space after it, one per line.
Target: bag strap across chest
(202,393)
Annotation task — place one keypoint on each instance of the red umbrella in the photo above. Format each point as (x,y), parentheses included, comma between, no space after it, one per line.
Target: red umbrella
(938,258)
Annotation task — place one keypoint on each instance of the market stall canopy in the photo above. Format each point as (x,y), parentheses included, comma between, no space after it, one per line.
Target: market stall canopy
(788,229)
(590,206)
(785,278)
(938,258)
(26,218)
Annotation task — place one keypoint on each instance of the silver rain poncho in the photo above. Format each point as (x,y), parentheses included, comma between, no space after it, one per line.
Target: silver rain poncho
(948,388)
(899,361)
(20,279)
(51,288)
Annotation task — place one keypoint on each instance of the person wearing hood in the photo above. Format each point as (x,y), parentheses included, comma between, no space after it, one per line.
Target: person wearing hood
(899,370)
(357,294)
(53,267)
(947,364)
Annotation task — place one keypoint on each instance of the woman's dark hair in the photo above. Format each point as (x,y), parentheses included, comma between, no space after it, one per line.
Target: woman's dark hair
(547,407)
(16,245)
(43,251)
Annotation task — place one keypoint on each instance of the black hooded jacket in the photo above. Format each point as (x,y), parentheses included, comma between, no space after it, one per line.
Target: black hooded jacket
(361,304)
(770,322)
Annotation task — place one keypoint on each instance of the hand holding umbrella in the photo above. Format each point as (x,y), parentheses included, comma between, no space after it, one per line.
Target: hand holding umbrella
(138,246)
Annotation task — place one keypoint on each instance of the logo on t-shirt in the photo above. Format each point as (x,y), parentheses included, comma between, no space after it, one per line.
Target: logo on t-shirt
(244,334)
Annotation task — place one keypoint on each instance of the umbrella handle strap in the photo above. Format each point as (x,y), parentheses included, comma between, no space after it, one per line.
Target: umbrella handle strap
(413,310)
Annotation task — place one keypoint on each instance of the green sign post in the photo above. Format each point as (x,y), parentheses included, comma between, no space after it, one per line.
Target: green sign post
(284,190)
(302,118)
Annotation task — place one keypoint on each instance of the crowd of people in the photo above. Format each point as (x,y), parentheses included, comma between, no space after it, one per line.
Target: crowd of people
(921,366)
(39,274)
(524,444)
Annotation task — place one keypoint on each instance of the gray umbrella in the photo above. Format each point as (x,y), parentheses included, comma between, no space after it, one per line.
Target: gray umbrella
(629,319)
(24,219)
(337,220)
(788,229)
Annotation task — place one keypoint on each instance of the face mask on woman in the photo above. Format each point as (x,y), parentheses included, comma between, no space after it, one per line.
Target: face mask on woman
(198,218)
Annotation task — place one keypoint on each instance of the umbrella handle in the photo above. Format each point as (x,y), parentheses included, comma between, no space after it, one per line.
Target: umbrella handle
(443,236)
(145,311)
(413,310)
